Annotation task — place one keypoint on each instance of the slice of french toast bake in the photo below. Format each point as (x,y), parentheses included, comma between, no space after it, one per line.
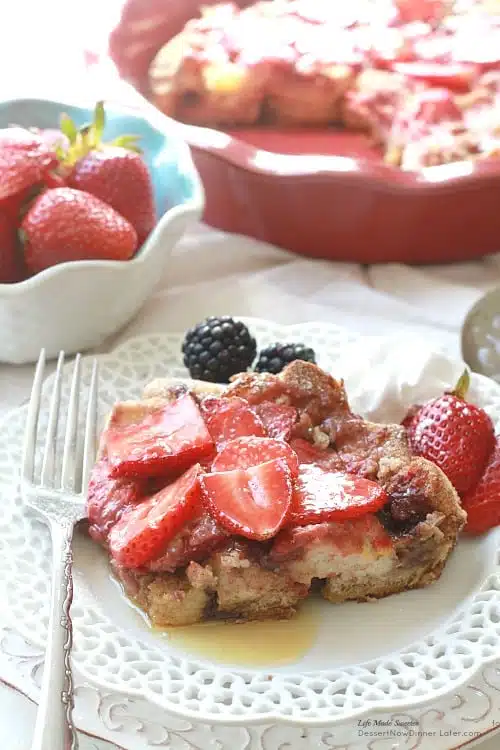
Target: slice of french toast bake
(238,502)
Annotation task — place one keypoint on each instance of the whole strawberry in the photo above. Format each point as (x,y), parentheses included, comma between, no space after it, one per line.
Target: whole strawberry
(455,435)
(25,161)
(121,179)
(115,172)
(482,502)
(64,224)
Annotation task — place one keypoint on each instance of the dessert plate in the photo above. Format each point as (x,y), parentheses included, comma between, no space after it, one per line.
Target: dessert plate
(437,645)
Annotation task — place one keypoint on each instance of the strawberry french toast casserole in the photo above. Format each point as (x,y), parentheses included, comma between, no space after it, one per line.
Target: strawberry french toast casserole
(420,77)
(239,501)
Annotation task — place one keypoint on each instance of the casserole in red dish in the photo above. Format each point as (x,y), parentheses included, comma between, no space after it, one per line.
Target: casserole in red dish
(328,192)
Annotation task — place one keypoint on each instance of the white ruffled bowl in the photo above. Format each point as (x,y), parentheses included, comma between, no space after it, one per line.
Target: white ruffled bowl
(75,306)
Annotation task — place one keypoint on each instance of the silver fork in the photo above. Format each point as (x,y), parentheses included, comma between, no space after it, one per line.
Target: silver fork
(58,493)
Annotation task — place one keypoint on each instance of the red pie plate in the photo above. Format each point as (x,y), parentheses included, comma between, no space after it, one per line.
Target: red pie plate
(325,194)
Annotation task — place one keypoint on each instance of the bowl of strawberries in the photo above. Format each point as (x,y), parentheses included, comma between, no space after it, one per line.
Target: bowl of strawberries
(92,201)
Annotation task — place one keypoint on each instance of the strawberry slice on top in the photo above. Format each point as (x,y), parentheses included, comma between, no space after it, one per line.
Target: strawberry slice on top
(252,502)
(278,419)
(142,533)
(230,418)
(166,440)
(245,452)
(108,499)
(320,495)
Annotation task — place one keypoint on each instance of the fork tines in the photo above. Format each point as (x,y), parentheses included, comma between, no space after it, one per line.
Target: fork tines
(65,467)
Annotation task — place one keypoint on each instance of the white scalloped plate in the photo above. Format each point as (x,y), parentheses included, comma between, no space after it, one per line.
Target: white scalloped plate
(385,656)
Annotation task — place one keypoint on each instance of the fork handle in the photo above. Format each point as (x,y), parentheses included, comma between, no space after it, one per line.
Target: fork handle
(54,728)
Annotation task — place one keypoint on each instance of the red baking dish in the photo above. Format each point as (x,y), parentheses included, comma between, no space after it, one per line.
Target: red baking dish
(324,194)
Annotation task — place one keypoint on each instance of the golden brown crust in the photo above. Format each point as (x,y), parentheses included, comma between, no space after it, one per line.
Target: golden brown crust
(248,591)
(170,599)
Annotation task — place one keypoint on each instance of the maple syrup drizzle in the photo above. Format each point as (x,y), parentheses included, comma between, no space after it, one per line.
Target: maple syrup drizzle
(251,644)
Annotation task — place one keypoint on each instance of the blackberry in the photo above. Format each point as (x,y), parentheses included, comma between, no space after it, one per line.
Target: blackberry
(218,348)
(274,358)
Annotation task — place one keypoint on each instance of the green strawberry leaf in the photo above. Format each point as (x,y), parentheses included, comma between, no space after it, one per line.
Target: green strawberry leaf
(462,386)
(68,127)
(127,141)
(86,139)
(89,137)
(60,152)
(99,121)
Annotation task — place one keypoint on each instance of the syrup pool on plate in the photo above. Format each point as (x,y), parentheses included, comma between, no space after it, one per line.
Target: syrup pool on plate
(250,644)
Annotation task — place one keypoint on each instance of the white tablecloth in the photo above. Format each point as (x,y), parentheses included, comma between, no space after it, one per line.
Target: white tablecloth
(214,273)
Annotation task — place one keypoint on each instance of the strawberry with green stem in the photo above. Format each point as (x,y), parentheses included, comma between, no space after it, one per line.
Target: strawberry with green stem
(454,434)
(114,172)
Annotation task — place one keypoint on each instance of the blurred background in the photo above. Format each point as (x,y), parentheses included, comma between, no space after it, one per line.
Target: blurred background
(45,43)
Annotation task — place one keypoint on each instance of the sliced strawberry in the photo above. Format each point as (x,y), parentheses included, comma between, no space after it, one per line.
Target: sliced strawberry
(320,495)
(307,453)
(457,77)
(278,419)
(251,502)
(142,533)
(246,452)
(108,499)
(230,418)
(167,440)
